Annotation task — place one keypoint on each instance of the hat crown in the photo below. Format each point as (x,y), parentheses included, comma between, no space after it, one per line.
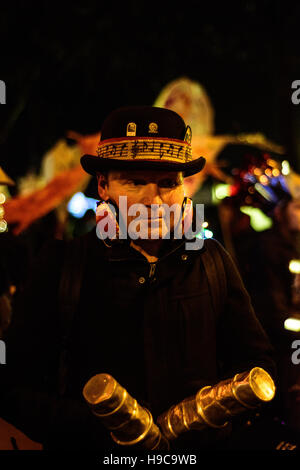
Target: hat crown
(144,138)
(143,121)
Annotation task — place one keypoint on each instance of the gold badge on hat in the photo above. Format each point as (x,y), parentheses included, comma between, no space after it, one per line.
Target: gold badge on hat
(188,135)
(131,129)
(153,128)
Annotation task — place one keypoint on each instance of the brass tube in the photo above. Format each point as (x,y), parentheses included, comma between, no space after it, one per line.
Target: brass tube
(214,405)
(130,424)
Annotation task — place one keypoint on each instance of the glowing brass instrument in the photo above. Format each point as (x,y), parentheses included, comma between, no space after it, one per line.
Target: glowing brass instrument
(214,406)
(130,424)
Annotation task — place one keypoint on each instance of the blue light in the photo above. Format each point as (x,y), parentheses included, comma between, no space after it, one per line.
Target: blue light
(205,233)
(208,233)
(250,178)
(79,204)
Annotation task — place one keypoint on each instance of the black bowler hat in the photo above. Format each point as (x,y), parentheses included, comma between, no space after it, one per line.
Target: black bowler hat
(144,138)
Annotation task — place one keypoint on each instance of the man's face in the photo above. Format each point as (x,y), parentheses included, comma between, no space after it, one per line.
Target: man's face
(152,190)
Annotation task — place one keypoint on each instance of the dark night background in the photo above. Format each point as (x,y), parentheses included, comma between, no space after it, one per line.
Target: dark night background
(66,65)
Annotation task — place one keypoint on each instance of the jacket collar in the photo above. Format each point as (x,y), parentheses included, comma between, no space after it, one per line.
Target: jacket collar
(122,251)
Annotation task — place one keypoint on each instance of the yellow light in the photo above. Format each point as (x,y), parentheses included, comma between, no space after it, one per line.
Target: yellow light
(205,224)
(1,212)
(272,162)
(2,198)
(276,172)
(3,226)
(263,179)
(257,171)
(294,266)
(285,167)
(292,324)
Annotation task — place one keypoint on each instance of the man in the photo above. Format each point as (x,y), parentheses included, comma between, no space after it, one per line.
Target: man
(141,309)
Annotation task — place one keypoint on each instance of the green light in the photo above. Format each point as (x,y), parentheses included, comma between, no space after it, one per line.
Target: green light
(258,220)
(220,191)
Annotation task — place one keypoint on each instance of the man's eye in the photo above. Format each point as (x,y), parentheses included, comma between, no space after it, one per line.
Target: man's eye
(168,183)
(136,182)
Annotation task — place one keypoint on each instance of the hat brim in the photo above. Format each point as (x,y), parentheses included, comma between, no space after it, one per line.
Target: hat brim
(93,164)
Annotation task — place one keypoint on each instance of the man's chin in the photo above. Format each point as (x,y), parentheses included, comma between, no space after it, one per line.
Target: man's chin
(153,236)
(149,230)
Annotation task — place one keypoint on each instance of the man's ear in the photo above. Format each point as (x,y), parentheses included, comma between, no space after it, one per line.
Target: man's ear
(102,187)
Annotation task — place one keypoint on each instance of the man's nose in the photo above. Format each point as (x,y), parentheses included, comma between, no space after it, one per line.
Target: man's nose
(151,194)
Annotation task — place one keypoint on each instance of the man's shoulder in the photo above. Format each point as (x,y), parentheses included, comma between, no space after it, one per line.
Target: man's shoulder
(213,246)
(89,243)
(222,257)
(53,251)
(209,247)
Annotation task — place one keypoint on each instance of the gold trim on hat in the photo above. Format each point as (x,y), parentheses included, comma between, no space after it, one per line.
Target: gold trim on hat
(131,129)
(153,128)
(188,135)
(145,148)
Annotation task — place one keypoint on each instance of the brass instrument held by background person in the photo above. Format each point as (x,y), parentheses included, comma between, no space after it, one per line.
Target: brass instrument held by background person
(130,424)
(213,406)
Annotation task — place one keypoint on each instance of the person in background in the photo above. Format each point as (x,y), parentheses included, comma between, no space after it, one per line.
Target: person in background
(266,259)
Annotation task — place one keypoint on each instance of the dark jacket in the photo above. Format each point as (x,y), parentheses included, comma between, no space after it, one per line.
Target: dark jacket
(157,336)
